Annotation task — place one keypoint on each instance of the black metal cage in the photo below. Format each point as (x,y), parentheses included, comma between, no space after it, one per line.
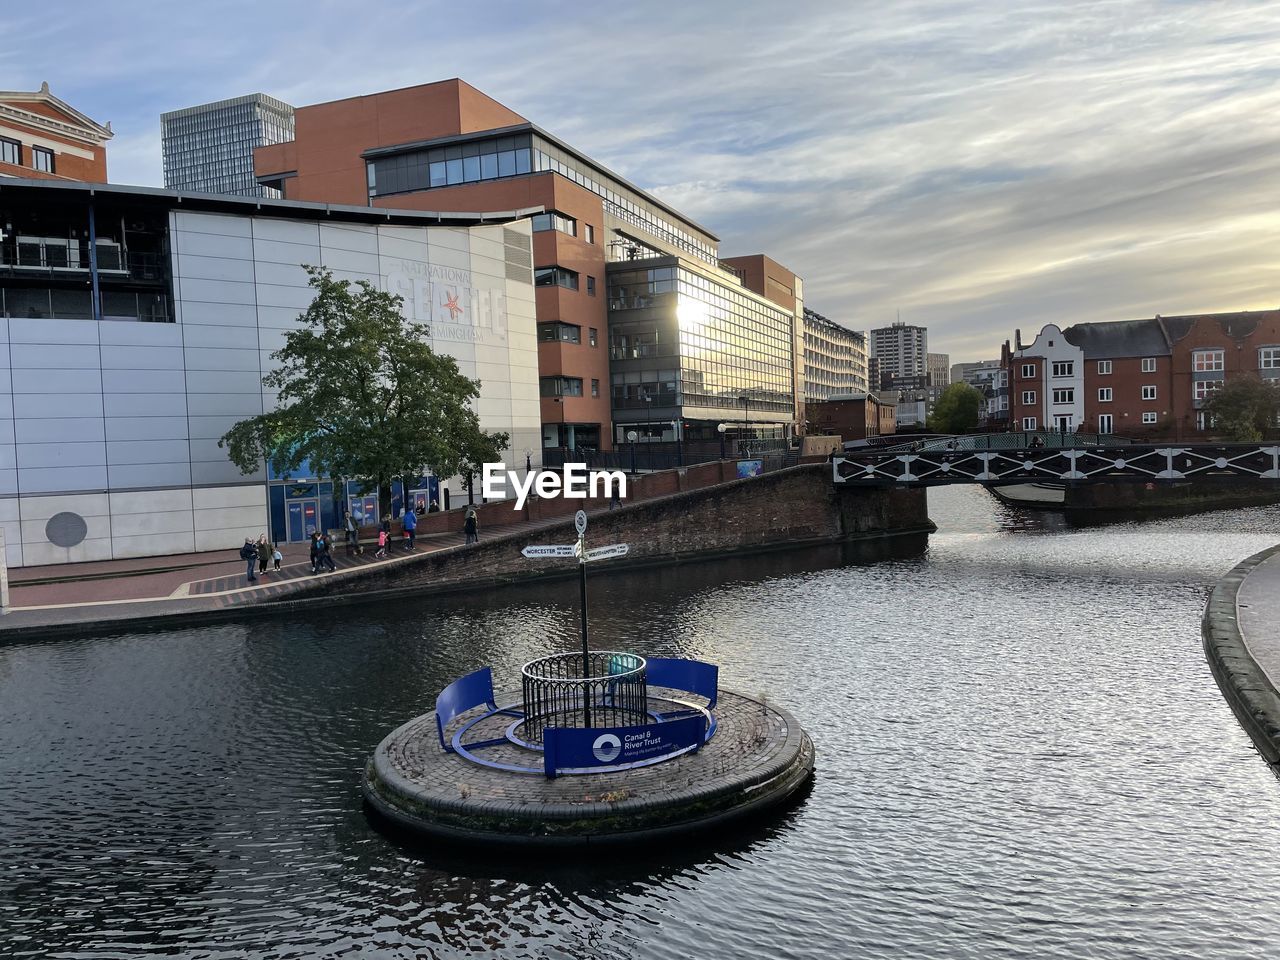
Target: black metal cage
(558,692)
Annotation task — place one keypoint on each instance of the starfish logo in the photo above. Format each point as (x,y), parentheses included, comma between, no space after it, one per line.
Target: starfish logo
(451,304)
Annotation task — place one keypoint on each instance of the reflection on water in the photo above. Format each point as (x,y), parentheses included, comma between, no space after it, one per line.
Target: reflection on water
(1021,753)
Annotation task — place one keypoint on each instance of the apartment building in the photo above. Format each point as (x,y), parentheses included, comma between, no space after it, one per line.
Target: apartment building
(1145,378)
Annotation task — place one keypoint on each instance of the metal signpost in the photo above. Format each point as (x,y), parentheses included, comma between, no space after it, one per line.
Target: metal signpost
(584,556)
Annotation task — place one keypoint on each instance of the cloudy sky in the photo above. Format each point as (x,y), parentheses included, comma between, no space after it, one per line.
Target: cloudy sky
(974,167)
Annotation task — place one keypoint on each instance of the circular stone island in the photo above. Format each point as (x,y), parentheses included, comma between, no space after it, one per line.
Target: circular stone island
(628,749)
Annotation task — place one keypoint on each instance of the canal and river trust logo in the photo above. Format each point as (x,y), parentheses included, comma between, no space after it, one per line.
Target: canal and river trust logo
(607,748)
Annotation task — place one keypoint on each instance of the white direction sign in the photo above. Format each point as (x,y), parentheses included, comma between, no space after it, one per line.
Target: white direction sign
(580,522)
(537,553)
(608,553)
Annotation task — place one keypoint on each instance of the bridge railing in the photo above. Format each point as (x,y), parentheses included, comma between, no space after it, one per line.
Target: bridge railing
(1047,439)
(1082,464)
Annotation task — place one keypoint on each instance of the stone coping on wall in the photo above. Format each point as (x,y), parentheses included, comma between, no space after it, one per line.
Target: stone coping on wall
(1241,633)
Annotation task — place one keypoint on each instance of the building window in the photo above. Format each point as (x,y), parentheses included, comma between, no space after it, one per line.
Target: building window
(592,337)
(1028,371)
(595,388)
(1148,364)
(1028,396)
(1104,367)
(563,332)
(555,221)
(1064,396)
(1148,392)
(1028,423)
(1269,358)
(560,386)
(1207,360)
(1104,423)
(1064,368)
(1149,416)
(555,276)
(1204,421)
(588,233)
(1205,387)
(42,159)
(591,286)
(10,152)
(1104,396)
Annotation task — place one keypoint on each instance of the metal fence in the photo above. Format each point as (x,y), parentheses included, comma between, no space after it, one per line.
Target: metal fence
(613,692)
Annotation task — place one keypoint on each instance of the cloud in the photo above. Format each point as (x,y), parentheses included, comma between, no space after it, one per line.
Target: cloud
(979,167)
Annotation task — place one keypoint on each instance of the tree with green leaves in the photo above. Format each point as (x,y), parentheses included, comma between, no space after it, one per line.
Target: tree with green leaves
(957,410)
(1245,409)
(361,396)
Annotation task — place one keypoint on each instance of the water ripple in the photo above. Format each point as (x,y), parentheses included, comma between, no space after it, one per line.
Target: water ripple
(1021,754)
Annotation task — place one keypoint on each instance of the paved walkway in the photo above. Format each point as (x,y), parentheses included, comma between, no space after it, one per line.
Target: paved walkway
(139,589)
(1241,631)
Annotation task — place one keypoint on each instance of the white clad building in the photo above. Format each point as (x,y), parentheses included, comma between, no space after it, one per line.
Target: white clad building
(124,360)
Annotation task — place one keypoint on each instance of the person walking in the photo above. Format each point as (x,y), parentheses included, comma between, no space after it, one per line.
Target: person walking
(249,553)
(353,534)
(471,527)
(386,523)
(410,528)
(324,554)
(277,556)
(615,497)
(264,554)
(382,544)
(315,551)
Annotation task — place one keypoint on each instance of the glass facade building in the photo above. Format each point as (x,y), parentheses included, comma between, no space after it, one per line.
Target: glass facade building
(471,159)
(691,349)
(209,148)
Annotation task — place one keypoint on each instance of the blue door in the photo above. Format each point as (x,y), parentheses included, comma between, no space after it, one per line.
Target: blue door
(303,518)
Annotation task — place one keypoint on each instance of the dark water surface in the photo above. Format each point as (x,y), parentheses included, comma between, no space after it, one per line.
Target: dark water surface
(1021,753)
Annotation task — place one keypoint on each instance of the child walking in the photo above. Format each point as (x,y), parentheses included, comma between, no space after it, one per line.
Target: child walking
(382,544)
(276,557)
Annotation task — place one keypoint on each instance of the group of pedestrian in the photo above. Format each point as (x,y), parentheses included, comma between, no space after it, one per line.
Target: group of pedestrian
(257,555)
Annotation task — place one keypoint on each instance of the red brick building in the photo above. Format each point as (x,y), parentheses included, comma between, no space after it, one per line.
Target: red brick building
(1137,378)
(45,138)
(447,146)
(852,418)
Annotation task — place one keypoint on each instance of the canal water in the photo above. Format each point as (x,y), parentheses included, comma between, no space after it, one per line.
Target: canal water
(1021,753)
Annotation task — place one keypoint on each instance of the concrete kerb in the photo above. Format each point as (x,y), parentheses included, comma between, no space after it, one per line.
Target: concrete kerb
(1244,683)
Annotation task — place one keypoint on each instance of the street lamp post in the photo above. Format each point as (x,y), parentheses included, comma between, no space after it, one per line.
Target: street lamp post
(720,428)
(631,436)
(746,418)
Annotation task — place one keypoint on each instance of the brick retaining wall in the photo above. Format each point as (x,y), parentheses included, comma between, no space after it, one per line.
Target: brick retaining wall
(701,515)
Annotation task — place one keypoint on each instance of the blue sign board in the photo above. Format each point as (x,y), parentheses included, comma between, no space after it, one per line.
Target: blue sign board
(576,749)
(750,468)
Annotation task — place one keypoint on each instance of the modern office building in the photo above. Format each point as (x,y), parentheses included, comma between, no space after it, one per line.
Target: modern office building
(209,148)
(124,364)
(939,368)
(1146,378)
(692,349)
(45,138)
(835,359)
(902,350)
(447,146)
